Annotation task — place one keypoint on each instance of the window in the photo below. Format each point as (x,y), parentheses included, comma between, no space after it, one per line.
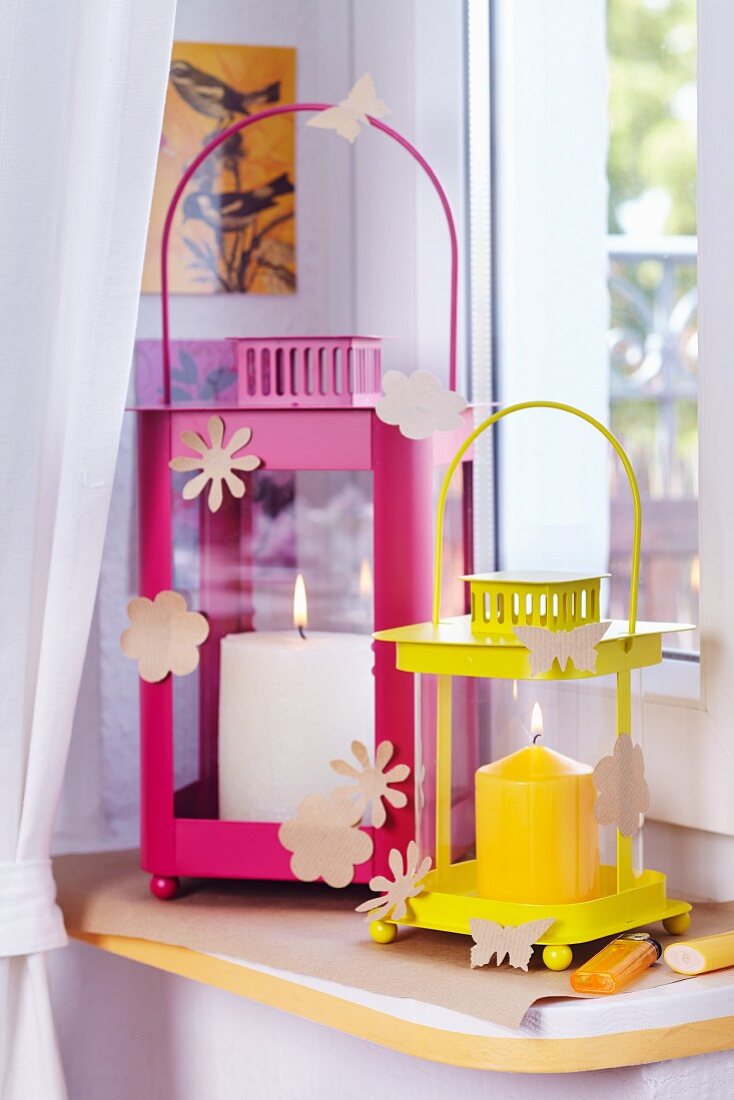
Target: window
(595,290)
(653,337)
(555,336)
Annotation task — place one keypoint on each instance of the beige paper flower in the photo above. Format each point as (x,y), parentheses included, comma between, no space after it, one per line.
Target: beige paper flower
(622,791)
(164,636)
(418,404)
(325,841)
(372,783)
(407,884)
(216,462)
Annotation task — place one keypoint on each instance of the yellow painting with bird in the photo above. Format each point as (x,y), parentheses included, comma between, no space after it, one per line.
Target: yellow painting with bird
(234,230)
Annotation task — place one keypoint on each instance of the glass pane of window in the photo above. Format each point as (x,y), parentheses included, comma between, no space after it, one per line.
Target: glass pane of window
(652,286)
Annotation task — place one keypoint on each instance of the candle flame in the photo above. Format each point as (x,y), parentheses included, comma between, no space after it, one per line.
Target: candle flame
(300,606)
(695,574)
(365,578)
(536,721)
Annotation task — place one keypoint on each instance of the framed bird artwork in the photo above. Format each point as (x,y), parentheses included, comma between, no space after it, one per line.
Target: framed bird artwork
(234,231)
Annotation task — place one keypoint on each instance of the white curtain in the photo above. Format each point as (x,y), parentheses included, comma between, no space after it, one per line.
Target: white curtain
(82,85)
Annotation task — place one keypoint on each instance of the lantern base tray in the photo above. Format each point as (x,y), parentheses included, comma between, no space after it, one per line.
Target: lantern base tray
(450,901)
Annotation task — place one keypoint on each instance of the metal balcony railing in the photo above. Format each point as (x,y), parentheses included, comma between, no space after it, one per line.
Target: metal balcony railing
(653,358)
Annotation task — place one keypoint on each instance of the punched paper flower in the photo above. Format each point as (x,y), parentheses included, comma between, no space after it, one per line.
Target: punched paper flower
(372,783)
(325,841)
(395,895)
(164,636)
(419,404)
(622,791)
(216,462)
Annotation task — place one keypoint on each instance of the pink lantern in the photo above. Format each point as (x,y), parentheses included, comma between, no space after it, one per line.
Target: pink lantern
(286,482)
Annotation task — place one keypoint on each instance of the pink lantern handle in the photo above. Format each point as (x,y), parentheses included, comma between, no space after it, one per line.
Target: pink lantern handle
(292,108)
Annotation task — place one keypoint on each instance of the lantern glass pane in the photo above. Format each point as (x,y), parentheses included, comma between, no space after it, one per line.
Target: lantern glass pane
(238,566)
(457,557)
(492,719)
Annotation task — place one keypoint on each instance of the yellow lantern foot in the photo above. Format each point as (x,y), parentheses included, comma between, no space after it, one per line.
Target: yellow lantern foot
(677,925)
(557,956)
(382,931)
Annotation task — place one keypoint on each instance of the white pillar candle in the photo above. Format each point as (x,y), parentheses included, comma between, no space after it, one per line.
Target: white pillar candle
(287,706)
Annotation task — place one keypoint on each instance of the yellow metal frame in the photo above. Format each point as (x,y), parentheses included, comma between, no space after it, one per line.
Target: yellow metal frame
(450,647)
(450,902)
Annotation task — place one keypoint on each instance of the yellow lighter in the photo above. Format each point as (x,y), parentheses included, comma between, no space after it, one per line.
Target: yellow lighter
(617,964)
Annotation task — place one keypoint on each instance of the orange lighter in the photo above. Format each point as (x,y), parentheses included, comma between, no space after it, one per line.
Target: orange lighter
(617,964)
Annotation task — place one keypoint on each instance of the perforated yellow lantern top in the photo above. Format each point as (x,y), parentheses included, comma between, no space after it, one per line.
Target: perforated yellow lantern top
(555,601)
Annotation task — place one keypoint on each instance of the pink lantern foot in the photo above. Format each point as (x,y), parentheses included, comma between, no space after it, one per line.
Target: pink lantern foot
(164,887)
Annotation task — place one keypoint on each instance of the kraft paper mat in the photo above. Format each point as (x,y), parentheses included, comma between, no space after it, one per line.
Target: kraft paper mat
(312,930)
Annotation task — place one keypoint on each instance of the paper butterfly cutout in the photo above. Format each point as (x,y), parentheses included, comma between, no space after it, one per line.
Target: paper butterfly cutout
(514,940)
(546,646)
(347,116)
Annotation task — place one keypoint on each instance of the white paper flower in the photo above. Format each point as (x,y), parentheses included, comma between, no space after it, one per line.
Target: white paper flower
(216,462)
(371,784)
(395,895)
(418,404)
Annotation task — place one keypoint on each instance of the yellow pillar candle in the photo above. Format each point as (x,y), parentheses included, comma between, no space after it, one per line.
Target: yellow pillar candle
(537,839)
(701,955)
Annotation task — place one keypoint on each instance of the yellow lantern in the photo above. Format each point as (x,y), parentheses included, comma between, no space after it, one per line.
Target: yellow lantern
(535,850)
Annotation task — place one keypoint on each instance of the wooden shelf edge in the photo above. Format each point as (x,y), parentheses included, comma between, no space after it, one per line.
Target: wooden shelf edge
(420,1041)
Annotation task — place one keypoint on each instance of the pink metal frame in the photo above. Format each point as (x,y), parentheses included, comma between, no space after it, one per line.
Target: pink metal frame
(287,109)
(180,832)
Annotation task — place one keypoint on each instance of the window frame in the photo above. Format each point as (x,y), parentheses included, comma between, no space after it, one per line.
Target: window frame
(688,709)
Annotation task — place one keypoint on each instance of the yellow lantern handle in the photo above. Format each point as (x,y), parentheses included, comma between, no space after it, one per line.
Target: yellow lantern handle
(493,419)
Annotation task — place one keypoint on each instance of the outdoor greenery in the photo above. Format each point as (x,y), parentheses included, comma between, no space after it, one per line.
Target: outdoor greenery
(652,80)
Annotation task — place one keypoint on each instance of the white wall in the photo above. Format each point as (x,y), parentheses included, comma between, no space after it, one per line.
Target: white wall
(191,1042)
(129,1031)
(100,802)
(375,263)
(320,30)
(372,246)
(372,257)
(552,304)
